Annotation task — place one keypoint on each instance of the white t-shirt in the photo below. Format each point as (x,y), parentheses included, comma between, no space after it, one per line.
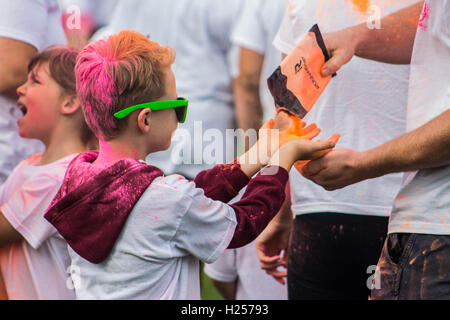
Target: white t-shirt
(423,205)
(365,103)
(38,23)
(256,28)
(99,10)
(36,267)
(171,228)
(242,265)
(199,31)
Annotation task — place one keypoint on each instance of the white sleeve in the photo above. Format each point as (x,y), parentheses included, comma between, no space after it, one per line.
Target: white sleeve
(223,269)
(24,20)
(249,30)
(26,207)
(284,40)
(206,227)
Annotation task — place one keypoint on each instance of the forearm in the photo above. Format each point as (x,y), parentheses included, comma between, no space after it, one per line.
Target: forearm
(251,161)
(425,147)
(393,43)
(284,217)
(223,182)
(226,289)
(260,203)
(248,108)
(8,234)
(3,292)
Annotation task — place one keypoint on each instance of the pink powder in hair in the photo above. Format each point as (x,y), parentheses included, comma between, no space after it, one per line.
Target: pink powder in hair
(120,71)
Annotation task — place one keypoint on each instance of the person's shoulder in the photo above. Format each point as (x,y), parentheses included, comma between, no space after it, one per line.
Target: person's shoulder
(48,175)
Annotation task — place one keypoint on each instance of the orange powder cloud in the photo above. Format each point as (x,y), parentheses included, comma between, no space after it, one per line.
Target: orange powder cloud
(361,5)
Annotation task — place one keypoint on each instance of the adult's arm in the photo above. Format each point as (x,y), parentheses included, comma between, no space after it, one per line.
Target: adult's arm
(274,240)
(226,289)
(3,292)
(248,107)
(8,234)
(14,59)
(426,147)
(392,43)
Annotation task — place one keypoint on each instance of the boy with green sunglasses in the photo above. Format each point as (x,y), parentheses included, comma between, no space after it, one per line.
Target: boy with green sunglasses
(180,105)
(135,233)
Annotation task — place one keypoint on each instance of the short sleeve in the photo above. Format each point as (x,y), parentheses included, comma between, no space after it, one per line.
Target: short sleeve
(24,20)
(284,40)
(26,207)
(206,227)
(249,31)
(223,269)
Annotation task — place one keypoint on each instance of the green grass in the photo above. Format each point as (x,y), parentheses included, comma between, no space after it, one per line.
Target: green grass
(208,292)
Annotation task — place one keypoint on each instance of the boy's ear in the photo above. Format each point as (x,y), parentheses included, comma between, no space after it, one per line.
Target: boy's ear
(70,105)
(143,120)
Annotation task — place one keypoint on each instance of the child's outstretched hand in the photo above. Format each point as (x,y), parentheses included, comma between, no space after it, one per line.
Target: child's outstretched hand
(278,132)
(290,131)
(301,163)
(301,149)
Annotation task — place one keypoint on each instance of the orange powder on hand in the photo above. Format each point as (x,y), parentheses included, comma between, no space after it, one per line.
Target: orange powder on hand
(291,127)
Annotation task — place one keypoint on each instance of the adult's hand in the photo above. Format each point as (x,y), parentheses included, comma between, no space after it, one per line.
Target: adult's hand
(337,169)
(393,43)
(341,46)
(272,244)
(271,247)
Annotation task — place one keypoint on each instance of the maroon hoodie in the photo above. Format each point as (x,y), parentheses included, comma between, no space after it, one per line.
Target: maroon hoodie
(93,204)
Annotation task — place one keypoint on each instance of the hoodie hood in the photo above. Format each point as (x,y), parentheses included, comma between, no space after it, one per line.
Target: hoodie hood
(92,205)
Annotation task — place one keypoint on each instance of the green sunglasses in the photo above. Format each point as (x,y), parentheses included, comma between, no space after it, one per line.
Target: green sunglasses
(180,105)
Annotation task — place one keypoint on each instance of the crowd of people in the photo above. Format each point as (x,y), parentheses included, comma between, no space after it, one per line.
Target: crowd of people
(109,109)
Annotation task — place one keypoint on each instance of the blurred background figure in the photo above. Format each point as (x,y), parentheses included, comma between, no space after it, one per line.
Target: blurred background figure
(81,18)
(26,27)
(199,31)
(258,58)
(237,274)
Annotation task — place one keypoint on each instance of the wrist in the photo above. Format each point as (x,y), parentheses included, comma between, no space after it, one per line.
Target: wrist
(359,36)
(365,165)
(283,221)
(284,158)
(250,162)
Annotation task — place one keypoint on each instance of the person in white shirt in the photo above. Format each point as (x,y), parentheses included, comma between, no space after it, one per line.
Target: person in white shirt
(34,259)
(415,260)
(253,33)
(82,18)
(26,27)
(236,274)
(337,236)
(199,31)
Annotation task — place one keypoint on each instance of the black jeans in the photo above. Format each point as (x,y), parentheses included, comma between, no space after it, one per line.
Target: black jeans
(414,267)
(334,255)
